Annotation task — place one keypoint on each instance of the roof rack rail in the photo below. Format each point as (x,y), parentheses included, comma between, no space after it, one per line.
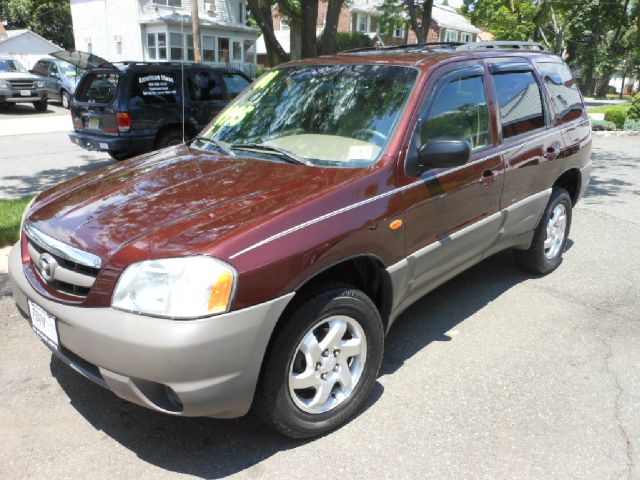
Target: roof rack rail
(409,46)
(504,45)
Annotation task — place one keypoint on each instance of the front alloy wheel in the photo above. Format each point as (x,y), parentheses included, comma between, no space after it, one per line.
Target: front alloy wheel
(327,364)
(322,362)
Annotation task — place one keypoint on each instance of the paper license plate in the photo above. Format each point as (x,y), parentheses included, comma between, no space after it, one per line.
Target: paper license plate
(44,324)
(94,123)
(25,93)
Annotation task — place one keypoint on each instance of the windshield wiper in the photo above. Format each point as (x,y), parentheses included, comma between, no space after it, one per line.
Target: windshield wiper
(217,143)
(286,154)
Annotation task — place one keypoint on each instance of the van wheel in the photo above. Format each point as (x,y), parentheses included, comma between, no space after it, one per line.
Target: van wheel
(322,363)
(120,155)
(550,236)
(40,106)
(169,138)
(65,99)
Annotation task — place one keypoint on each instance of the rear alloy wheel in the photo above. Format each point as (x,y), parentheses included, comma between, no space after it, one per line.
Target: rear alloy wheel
(65,99)
(550,236)
(322,363)
(40,106)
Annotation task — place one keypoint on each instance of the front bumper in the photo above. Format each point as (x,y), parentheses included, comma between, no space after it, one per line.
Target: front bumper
(206,367)
(10,95)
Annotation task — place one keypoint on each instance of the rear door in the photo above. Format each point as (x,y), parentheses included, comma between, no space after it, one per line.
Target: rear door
(52,81)
(155,100)
(207,96)
(532,144)
(96,102)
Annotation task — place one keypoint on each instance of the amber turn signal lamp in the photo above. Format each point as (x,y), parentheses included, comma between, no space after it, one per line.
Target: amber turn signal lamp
(221,293)
(396,224)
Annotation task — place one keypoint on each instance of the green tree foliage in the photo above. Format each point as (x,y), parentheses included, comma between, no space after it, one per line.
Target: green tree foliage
(634,111)
(505,19)
(349,40)
(49,18)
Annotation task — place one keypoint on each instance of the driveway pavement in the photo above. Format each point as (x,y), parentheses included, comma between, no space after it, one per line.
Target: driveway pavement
(495,375)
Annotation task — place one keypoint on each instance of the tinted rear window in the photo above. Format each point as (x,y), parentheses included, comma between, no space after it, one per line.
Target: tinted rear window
(520,103)
(98,87)
(155,87)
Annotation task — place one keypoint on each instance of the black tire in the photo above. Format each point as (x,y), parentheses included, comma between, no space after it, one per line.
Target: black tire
(65,99)
(273,401)
(120,155)
(535,259)
(40,106)
(169,138)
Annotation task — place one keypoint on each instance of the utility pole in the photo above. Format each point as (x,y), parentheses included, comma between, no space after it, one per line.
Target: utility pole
(195,27)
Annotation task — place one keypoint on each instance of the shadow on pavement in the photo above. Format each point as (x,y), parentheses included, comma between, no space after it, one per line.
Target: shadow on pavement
(605,182)
(216,448)
(23,109)
(17,186)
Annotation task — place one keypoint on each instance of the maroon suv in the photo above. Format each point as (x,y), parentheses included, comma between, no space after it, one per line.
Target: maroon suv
(263,264)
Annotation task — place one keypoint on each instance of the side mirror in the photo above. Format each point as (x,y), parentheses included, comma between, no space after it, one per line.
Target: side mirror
(443,152)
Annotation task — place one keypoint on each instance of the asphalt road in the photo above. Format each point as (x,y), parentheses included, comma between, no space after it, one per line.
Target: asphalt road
(495,375)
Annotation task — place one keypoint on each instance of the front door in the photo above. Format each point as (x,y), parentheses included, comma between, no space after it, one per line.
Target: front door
(454,213)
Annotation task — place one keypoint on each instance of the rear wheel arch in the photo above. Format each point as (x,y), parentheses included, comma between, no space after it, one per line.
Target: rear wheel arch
(189,132)
(570,180)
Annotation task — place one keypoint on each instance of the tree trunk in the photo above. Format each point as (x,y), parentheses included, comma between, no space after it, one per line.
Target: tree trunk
(261,11)
(309,20)
(327,45)
(195,27)
(295,38)
(427,7)
(601,92)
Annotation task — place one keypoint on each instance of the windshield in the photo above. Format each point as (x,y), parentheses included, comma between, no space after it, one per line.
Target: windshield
(10,65)
(69,70)
(328,115)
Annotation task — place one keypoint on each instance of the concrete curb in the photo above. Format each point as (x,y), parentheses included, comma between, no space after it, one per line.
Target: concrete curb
(5,289)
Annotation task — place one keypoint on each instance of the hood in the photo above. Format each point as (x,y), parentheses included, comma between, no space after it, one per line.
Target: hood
(175,202)
(18,76)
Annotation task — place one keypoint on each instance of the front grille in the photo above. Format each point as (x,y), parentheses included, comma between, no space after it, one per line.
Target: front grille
(22,84)
(64,268)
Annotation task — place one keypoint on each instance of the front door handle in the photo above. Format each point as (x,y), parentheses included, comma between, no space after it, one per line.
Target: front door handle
(487,178)
(552,151)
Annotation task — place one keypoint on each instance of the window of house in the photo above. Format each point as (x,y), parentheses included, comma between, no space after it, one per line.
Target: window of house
(204,86)
(208,48)
(563,90)
(249,49)
(236,52)
(459,110)
(157,46)
(465,37)
(451,36)
(398,32)
(189,42)
(223,50)
(168,3)
(284,23)
(241,14)
(177,46)
(520,102)
(363,22)
(154,88)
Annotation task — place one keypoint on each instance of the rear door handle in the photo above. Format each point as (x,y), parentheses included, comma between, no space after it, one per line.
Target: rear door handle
(487,178)
(551,153)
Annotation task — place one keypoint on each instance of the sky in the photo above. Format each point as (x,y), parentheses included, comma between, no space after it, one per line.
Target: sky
(453,3)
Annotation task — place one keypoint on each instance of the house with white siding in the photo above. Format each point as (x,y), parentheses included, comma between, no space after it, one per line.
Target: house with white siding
(160,30)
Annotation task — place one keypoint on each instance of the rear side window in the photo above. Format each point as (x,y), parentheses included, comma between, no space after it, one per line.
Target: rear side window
(98,87)
(459,111)
(563,90)
(41,68)
(520,103)
(154,88)
(204,86)
(235,83)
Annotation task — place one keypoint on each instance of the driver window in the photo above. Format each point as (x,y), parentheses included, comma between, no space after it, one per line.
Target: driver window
(459,111)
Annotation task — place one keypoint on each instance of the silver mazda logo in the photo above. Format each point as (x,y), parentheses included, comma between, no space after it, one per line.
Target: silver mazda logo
(48,266)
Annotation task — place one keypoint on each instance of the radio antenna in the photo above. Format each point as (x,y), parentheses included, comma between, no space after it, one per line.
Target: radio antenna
(182,79)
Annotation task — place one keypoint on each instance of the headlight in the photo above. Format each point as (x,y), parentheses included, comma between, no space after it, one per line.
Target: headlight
(4,84)
(186,287)
(39,84)
(25,212)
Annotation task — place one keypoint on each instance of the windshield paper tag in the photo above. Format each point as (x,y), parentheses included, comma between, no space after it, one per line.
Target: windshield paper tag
(233,115)
(360,152)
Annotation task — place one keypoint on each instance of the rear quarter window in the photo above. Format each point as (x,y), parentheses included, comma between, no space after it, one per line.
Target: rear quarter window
(154,88)
(563,90)
(98,87)
(235,83)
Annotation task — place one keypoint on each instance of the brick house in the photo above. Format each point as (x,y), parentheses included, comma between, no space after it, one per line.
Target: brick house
(447,25)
